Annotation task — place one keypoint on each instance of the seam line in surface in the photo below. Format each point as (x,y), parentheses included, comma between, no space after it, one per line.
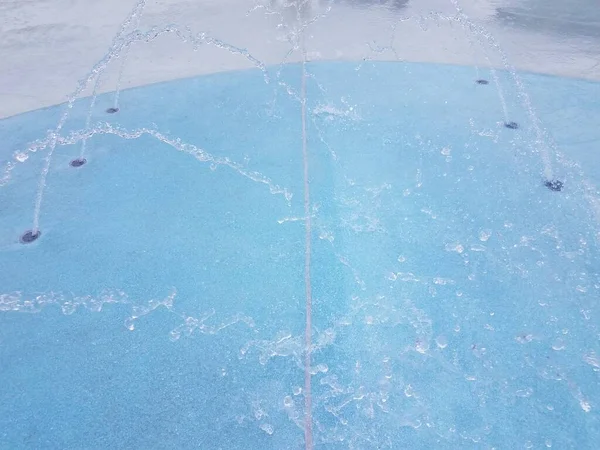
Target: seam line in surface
(308,438)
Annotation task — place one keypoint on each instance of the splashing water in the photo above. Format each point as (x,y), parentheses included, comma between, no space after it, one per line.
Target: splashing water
(428,280)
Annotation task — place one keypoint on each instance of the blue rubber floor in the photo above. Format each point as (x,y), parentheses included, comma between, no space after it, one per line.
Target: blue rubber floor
(454,295)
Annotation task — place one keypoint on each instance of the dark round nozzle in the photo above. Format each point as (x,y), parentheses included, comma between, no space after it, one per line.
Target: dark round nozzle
(78,162)
(30,236)
(554,185)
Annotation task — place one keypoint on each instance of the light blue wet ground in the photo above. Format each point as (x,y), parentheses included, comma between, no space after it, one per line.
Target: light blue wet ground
(427,333)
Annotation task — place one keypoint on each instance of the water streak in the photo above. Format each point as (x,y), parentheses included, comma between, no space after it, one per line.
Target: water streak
(121,44)
(123,63)
(540,142)
(55,134)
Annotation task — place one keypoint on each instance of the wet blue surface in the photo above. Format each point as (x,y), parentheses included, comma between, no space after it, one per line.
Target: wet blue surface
(163,306)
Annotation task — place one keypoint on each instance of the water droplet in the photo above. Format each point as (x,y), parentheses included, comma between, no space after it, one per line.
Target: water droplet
(319,368)
(441,342)
(484,235)
(585,405)
(558,345)
(130,325)
(592,359)
(267,428)
(297,390)
(21,157)
(454,247)
(68,308)
(524,338)
(421,346)
(524,393)
(288,402)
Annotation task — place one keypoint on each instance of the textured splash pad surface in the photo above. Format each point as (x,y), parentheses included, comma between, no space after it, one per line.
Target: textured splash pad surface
(454,296)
